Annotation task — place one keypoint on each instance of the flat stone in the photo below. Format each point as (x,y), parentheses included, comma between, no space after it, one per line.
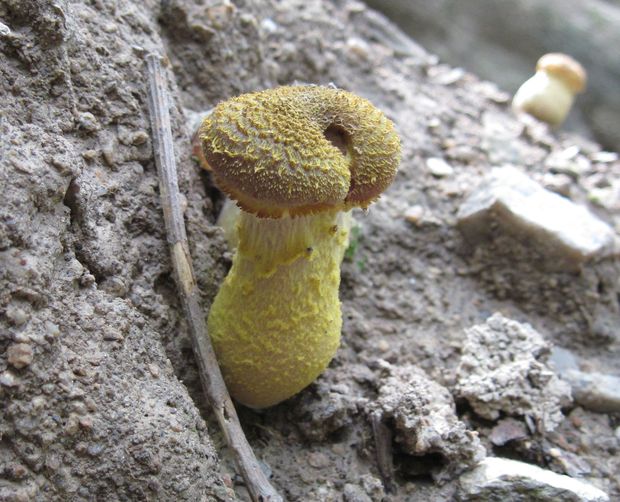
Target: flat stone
(511,481)
(594,391)
(564,232)
(507,430)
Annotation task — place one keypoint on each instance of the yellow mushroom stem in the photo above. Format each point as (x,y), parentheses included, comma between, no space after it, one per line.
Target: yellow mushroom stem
(277,315)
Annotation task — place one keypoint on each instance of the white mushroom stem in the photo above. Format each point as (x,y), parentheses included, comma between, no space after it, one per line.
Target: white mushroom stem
(228,220)
(546,97)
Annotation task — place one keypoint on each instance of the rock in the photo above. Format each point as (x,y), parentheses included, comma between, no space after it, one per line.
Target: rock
(420,216)
(503,370)
(8,379)
(604,157)
(19,355)
(317,419)
(424,415)
(594,391)
(439,167)
(496,479)
(354,493)
(16,315)
(88,122)
(507,430)
(414,214)
(563,360)
(566,234)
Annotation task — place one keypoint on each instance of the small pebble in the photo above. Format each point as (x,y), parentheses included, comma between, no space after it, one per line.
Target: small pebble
(8,379)
(358,47)
(139,138)
(16,315)
(604,157)
(88,122)
(19,355)
(108,154)
(51,330)
(318,460)
(110,28)
(72,424)
(439,167)
(444,75)
(86,423)
(414,214)
(507,430)
(269,25)
(90,154)
(383,345)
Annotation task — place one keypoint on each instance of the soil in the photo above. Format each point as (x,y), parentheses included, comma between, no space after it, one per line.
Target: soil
(109,406)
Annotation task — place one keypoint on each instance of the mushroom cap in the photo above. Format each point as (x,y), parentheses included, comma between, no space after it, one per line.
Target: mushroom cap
(300,149)
(565,68)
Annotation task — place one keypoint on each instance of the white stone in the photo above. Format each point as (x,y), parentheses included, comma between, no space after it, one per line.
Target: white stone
(269,25)
(4,30)
(594,391)
(439,167)
(566,233)
(414,214)
(509,480)
(604,157)
(8,379)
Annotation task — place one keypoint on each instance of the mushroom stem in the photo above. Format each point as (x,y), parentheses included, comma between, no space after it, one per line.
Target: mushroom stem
(546,97)
(275,323)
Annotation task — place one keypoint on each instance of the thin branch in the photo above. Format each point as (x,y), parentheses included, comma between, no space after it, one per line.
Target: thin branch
(212,382)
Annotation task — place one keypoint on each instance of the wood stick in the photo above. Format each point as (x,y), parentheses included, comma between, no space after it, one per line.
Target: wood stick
(210,375)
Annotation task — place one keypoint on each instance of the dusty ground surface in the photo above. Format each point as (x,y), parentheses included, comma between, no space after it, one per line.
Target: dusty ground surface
(106,405)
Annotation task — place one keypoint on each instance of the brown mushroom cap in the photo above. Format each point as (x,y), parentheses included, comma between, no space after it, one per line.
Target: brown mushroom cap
(299,150)
(565,68)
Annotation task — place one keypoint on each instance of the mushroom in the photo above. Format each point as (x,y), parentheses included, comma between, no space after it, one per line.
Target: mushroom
(295,160)
(550,93)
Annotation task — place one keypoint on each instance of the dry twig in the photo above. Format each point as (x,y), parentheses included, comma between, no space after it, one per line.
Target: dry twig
(212,382)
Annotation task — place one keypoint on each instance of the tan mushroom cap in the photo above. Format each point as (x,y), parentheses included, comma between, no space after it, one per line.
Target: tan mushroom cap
(565,68)
(300,149)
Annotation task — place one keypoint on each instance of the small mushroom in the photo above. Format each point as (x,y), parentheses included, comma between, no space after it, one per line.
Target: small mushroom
(550,93)
(296,160)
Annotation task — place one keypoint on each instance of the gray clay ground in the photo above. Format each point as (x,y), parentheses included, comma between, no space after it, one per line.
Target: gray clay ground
(101,399)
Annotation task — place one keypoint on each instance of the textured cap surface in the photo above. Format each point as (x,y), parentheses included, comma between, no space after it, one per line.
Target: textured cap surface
(565,68)
(300,149)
